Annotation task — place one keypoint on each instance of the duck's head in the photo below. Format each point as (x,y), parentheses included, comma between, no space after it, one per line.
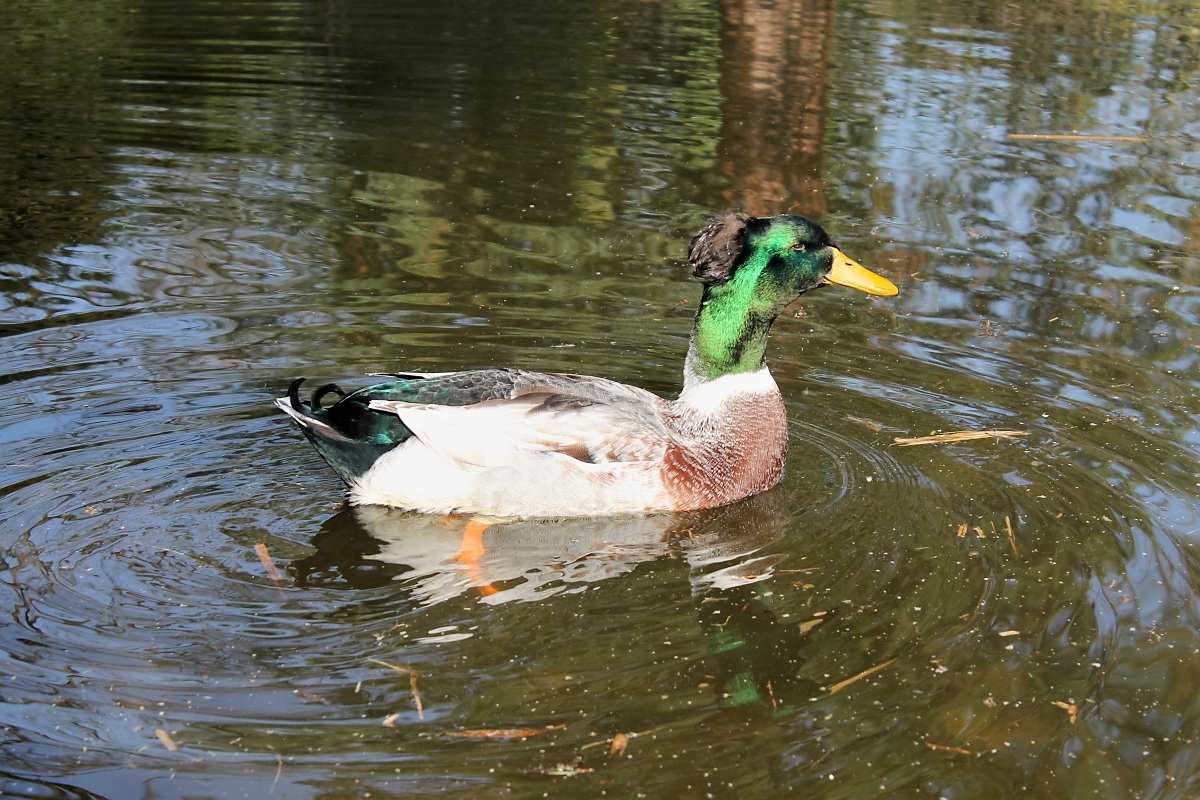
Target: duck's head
(751,268)
(776,258)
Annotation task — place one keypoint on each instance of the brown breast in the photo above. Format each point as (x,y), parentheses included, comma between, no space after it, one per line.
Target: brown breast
(734,454)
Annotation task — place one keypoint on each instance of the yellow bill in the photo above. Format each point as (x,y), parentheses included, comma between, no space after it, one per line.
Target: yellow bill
(847,272)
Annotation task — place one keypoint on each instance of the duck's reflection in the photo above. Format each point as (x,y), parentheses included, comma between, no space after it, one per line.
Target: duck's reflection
(754,657)
(442,557)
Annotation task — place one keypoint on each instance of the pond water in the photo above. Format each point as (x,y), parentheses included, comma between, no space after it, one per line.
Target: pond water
(203,200)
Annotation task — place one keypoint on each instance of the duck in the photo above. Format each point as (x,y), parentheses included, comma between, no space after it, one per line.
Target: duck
(511,443)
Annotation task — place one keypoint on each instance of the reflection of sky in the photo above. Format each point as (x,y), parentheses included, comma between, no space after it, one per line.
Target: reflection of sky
(925,112)
(248,242)
(1073,230)
(1066,244)
(946,102)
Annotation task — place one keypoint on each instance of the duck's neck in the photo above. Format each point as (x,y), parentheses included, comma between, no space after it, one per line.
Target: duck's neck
(730,333)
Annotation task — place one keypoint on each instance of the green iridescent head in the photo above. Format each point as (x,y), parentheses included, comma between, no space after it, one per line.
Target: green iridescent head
(788,253)
(751,268)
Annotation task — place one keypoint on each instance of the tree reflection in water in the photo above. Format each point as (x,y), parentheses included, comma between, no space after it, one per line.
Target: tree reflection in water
(774,59)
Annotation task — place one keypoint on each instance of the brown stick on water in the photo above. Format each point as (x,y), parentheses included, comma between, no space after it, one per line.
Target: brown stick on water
(412,682)
(503,733)
(958,436)
(264,555)
(837,687)
(1075,137)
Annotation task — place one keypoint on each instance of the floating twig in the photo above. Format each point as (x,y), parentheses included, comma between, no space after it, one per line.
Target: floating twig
(948,748)
(412,682)
(568,770)
(958,436)
(632,735)
(1076,137)
(1071,709)
(503,733)
(837,687)
(264,555)
(1011,539)
(166,739)
(169,550)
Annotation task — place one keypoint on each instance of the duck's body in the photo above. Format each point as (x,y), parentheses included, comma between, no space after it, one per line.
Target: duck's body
(510,443)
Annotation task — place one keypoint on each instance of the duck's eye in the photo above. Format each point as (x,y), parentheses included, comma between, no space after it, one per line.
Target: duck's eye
(800,247)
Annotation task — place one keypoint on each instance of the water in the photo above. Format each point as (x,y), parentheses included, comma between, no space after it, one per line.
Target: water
(204,200)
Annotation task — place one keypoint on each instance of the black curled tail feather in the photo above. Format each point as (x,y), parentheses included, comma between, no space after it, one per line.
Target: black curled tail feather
(294,394)
(348,434)
(319,394)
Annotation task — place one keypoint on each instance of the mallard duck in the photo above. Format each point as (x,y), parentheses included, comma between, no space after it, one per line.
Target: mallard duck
(507,443)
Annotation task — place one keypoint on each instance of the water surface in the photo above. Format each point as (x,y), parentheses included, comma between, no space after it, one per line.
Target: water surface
(201,201)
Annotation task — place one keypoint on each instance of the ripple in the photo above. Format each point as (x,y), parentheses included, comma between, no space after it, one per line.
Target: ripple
(215,198)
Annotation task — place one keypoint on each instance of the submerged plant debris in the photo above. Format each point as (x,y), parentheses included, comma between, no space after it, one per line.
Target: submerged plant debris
(264,555)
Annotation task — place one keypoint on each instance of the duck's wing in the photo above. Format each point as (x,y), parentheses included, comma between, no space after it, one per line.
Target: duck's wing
(588,419)
(442,388)
(480,417)
(351,437)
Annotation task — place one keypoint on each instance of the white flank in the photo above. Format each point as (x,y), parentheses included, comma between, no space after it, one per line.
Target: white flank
(490,434)
(709,397)
(413,476)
